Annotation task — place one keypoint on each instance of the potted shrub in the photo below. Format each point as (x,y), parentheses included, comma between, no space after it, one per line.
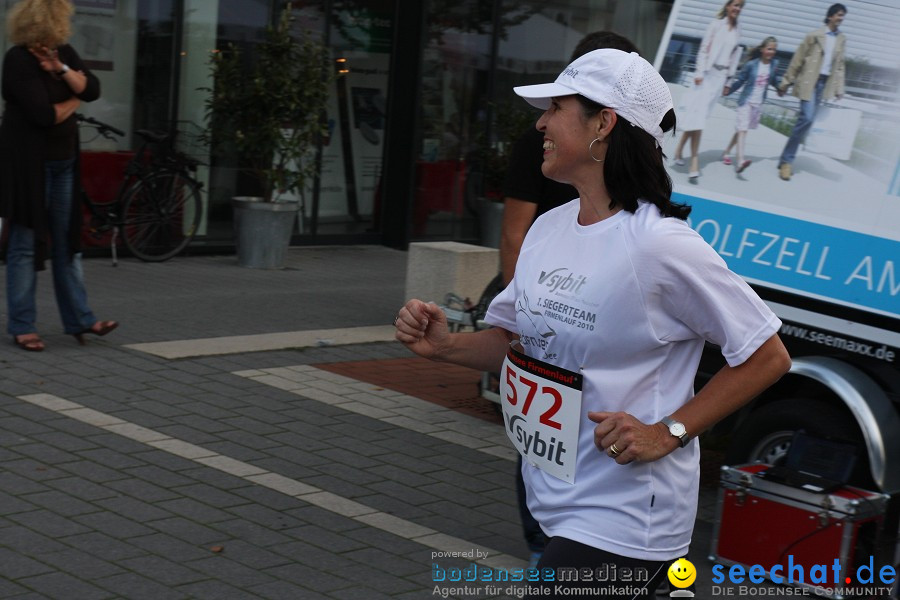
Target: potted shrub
(268,111)
(512,120)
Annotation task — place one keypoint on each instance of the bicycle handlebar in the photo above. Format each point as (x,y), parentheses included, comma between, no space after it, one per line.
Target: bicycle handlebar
(173,157)
(103,127)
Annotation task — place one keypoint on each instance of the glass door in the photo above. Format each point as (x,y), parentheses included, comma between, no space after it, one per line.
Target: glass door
(345,200)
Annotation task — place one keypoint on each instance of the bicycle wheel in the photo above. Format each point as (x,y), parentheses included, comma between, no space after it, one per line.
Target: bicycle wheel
(160,215)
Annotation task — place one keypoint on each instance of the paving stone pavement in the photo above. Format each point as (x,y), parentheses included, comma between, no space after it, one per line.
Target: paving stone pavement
(125,474)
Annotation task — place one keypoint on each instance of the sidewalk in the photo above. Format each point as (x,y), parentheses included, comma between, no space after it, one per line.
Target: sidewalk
(151,465)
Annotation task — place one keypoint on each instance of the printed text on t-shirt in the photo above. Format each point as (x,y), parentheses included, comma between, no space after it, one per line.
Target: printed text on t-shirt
(562,279)
(568,314)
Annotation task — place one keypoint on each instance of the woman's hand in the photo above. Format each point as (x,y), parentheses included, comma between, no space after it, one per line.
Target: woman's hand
(48,59)
(698,80)
(422,327)
(625,439)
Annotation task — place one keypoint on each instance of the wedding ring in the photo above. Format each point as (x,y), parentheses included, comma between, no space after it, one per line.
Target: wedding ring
(614,451)
(397,318)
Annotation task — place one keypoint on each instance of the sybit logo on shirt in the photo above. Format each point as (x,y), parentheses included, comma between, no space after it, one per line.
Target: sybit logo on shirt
(562,279)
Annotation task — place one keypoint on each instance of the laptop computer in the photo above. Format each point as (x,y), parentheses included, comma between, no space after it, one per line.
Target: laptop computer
(814,464)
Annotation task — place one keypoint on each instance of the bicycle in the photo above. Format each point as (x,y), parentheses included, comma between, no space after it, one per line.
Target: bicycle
(157,208)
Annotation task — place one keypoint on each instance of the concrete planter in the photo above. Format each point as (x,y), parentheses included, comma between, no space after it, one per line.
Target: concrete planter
(262,231)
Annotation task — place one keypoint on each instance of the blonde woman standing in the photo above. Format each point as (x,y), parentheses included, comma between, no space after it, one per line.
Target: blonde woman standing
(44,82)
(717,60)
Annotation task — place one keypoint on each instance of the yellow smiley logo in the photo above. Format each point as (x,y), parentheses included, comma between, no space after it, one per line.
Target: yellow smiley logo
(682,573)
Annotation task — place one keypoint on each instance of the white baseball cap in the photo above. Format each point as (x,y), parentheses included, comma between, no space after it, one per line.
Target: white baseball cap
(619,80)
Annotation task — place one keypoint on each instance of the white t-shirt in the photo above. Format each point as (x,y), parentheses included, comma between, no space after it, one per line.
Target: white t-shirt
(760,83)
(628,302)
(828,57)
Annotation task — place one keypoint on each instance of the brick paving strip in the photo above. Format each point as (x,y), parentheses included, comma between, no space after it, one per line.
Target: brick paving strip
(359,397)
(445,384)
(389,406)
(454,387)
(266,341)
(439,384)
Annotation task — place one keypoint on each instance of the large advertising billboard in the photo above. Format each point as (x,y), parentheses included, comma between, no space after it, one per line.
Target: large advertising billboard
(828,226)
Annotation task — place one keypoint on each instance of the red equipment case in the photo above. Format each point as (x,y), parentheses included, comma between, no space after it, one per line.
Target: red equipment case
(761,522)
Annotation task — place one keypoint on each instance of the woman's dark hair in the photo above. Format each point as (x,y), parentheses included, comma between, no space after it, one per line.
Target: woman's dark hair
(633,168)
(598,40)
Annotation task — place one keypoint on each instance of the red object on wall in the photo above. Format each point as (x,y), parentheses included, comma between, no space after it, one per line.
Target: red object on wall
(440,188)
(101,176)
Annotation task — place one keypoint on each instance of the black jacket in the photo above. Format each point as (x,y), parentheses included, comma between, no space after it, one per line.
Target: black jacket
(29,94)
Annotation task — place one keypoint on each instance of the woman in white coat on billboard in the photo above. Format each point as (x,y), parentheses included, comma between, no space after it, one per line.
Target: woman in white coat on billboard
(717,60)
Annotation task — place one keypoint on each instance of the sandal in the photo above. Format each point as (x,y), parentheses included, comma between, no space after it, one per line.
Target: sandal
(31,342)
(100,328)
(726,159)
(743,166)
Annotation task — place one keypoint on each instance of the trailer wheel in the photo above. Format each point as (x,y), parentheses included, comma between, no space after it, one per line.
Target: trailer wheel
(766,434)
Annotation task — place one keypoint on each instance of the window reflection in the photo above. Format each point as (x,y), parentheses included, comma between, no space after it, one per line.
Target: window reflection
(475,53)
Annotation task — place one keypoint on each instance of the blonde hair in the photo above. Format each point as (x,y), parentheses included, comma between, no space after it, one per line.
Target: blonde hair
(723,12)
(756,51)
(40,22)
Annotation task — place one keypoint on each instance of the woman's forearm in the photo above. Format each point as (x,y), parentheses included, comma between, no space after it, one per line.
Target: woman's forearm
(482,350)
(76,80)
(733,387)
(422,327)
(518,215)
(66,109)
(727,391)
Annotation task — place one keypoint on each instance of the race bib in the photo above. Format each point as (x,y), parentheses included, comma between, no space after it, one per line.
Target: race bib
(542,412)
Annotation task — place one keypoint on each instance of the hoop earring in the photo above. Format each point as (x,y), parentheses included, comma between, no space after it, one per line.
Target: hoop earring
(591,150)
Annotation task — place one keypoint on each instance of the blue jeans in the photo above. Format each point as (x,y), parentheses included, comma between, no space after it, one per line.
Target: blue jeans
(805,119)
(68,279)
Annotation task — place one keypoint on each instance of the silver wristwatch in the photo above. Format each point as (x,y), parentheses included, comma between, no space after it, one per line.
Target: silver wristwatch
(64,70)
(677,429)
